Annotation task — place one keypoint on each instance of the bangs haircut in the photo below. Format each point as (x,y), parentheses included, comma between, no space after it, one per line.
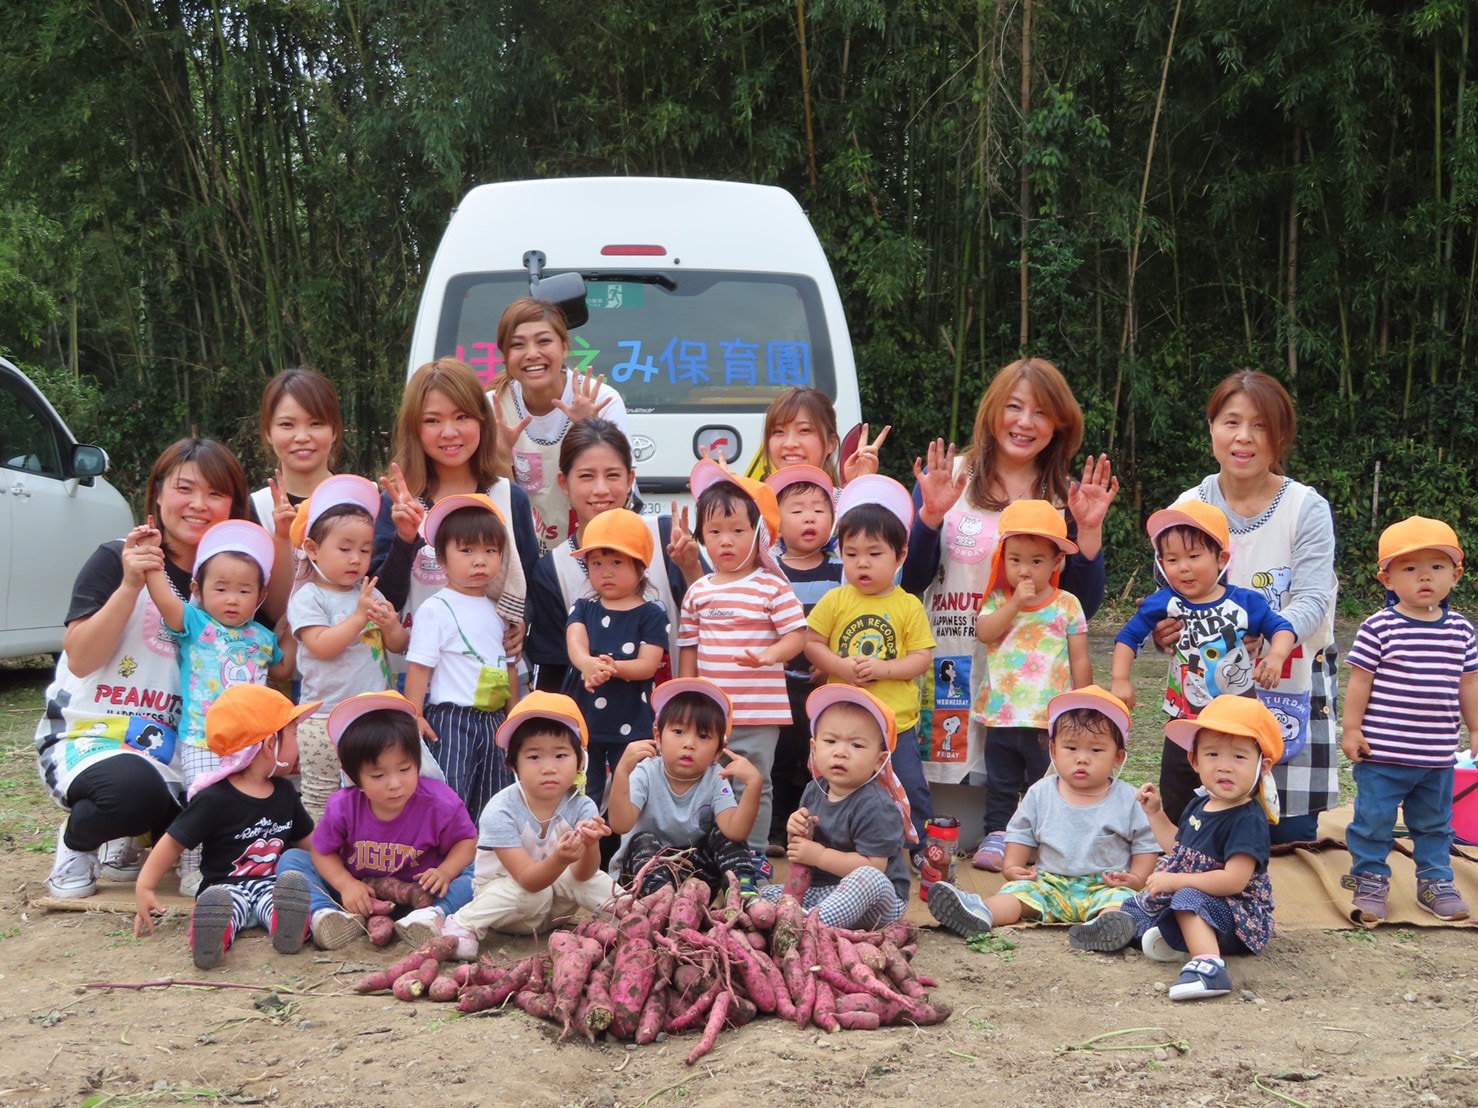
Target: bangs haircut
(590,433)
(218,468)
(1273,405)
(367,739)
(339,512)
(314,393)
(1192,538)
(526,309)
(1091,722)
(538,728)
(801,402)
(799,487)
(457,381)
(726,498)
(857,712)
(694,710)
(1058,404)
(467,526)
(873,521)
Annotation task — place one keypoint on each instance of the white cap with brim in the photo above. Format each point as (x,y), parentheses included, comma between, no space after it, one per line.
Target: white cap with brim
(874,488)
(343,488)
(236,536)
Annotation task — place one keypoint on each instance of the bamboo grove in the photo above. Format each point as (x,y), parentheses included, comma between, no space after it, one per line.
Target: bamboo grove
(194,195)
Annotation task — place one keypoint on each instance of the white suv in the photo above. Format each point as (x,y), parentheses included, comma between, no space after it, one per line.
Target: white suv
(55,510)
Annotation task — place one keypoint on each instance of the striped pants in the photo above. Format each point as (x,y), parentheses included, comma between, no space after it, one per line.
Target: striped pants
(251,905)
(467,751)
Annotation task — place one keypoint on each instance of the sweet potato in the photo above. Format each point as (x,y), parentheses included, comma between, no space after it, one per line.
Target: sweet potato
(762,913)
(441,948)
(653,1015)
(408,894)
(741,1011)
(858,1021)
(657,906)
(602,931)
(689,906)
(574,958)
(716,1016)
(381,930)
(690,1015)
(538,1005)
(598,1013)
(476,998)
(871,957)
(382,907)
(408,986)
(790,921)
(443,989)
(901,933)
(632,977)
(798,883)
(824,1015)
(745,963)
(580,1019)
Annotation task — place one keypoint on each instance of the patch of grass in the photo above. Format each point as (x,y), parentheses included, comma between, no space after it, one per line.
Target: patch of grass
(993,942)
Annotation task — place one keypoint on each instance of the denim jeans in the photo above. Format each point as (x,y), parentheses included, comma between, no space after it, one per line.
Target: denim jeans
(322,894)
(1424,795)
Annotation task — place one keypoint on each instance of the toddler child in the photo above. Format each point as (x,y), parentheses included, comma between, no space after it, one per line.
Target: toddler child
(1192,542)
(615,641)
(807,501)
(458,676)
(853,820)
(1079,845)
(241,815)
(742,622)
(538,842)
(1210,895)
(342,621)
(1036,646)
(220,642)
(670,794)
(393,822)
(868,632)
(1413,684)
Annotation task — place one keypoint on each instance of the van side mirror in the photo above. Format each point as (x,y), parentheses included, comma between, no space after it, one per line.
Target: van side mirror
(88,461)
(568,291)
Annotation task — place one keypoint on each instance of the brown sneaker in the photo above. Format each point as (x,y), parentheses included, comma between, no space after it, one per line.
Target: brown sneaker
(1441,898)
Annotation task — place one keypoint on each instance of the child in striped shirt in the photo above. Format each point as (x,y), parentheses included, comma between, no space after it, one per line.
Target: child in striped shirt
(1413,684)
(741,622)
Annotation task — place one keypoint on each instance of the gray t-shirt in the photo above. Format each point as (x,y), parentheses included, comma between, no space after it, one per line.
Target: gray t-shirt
(507,822)
(678,821)
(362,667)
(865,822)
(1073,841)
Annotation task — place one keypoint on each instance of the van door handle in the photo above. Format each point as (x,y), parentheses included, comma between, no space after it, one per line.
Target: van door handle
(19,489)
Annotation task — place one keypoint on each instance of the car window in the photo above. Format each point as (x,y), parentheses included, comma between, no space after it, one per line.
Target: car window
(28,439)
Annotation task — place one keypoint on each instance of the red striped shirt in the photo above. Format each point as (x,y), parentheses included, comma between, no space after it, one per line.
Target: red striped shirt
(724,620)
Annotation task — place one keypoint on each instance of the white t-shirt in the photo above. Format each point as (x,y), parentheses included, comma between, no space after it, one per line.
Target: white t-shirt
(456,635)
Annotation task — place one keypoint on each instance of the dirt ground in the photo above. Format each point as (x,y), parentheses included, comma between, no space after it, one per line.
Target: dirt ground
(1322,1018)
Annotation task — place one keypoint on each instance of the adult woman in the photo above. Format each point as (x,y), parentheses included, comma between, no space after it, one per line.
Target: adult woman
(537,401)
(1027,429)
(106,742)
(1283,546)
(446,441)
(596,473)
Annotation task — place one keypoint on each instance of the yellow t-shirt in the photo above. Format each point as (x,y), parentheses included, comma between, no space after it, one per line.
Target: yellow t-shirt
(887,627)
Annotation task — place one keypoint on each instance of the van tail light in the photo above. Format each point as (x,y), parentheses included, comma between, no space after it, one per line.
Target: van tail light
(633,250)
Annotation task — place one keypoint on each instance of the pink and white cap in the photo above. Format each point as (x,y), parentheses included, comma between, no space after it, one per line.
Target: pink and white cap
(783,478)
(236,536)
(343,488)
(874,488)
(700,685)
(352,708)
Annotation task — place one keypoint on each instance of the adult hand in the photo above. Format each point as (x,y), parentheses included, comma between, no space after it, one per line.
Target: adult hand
(406,511)
(865,459)
(513,636)
(1089,499)
(143,553)
(508,433)
(682,548)
(587,403)
(1166,634)
(939,485)
(283,511)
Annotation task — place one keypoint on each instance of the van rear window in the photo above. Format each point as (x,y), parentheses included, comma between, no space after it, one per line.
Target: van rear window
(718,342)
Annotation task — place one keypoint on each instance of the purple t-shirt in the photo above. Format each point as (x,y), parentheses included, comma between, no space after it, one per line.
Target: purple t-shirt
(419,839)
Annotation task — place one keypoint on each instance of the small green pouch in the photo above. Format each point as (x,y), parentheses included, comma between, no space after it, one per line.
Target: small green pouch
(492,689)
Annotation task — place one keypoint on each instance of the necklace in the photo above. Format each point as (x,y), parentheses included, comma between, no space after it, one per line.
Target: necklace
(564,423)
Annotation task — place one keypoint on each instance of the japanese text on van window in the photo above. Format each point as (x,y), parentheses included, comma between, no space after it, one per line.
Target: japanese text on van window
(680,362)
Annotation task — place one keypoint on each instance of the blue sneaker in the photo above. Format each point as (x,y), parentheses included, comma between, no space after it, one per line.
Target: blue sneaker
(966,914)
(764,872)
(1201,978)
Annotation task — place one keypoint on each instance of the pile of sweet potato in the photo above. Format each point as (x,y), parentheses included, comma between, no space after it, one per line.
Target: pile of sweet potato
(670,962)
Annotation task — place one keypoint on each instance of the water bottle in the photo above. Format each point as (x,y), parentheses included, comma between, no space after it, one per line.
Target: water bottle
(941,841)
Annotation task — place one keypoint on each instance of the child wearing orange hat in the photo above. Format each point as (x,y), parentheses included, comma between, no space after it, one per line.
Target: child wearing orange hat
(242,815)
(1413,684)
(1192,542)
(1210,895)
(1036,646)
(615,641)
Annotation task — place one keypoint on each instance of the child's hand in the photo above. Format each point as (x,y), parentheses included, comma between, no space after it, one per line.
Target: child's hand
(1353,743)
(1019,873)
(753,659)
(1149,799)
(1163,883)
(425,729)
(367,599)
(434,881)
(357,899)
(636,753)
(593,829)
(682,549)
(143,553)
(1024,592)
(742,770)
(1122,879)
(1124,690)
(799,825)
(571,847)
(865,669)
(805,852)
(283,511)
(147,907)
(598,672)
(406,511)
(381,612)
(1268,673)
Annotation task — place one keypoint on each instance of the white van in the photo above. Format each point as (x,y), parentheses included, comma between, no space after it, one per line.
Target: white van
(705,300)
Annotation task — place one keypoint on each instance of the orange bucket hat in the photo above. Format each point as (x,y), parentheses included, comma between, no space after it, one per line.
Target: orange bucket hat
(618,529)
(1244,716)
(1206,518)
(1418,533)
(1028,517)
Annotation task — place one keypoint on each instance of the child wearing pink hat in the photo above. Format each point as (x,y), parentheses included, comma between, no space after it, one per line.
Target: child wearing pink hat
(242,815)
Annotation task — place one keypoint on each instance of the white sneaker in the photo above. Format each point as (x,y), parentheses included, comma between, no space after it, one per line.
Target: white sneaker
(190,883)
(334,929)
(74,872)
(420,926)
(121,859)
(1157,949)
(467,941)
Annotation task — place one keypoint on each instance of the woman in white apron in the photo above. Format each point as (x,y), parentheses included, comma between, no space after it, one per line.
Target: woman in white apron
(1027,430)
